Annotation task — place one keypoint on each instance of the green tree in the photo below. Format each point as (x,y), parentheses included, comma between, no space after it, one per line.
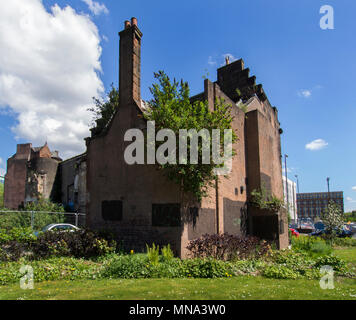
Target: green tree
(104,110)
(333,219)
(44,213)
(172,109)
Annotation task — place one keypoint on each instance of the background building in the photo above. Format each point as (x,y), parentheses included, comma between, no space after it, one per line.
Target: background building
(292,197)
(313,204)
(31,173)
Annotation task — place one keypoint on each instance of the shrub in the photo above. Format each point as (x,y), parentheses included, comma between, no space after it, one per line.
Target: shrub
(206,268)
(51,269)
(314,246)
(280,272)
(153,254)
(335,262)
(128,267)
(344,242)
(79,244)
(227,247)
(22,235)
(167,253)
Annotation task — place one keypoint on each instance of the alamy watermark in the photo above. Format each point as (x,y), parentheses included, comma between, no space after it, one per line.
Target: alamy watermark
(327,279)
(327,20)
(27,281)
(211,149)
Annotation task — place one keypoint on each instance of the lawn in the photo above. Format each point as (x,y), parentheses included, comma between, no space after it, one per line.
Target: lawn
(239,288)
(235,288)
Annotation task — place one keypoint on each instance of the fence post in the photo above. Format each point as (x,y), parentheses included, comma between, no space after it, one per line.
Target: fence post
(32,219)
(76,219)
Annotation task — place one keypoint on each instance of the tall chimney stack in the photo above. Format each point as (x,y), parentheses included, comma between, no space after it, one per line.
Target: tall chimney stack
(130,63)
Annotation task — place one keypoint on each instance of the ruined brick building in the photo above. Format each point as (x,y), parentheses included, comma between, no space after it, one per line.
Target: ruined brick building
(36,172)
(142,206)
(31,173)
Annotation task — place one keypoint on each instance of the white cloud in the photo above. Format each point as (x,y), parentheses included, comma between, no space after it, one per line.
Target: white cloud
(49,67)
(305,93)
(315,145)
(96,8)
(354,188)
(349,199)
(230,56)
(2,170)
(211,61)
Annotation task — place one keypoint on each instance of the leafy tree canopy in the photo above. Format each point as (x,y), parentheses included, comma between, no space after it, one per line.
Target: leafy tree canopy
(172,109)
(104,109)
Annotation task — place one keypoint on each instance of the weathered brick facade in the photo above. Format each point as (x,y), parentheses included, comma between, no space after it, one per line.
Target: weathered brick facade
(135,200)
(31,173)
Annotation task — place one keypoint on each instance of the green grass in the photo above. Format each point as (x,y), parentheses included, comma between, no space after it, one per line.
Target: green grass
(236,288)
(240,288)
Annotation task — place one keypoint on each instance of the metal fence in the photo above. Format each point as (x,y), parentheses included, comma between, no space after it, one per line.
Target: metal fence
(37,220)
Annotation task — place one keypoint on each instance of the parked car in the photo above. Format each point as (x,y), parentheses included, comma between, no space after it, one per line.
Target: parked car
(346,231)
(306,225)
(58,227)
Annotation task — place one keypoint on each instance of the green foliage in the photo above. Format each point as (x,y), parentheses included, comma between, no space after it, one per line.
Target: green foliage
(313,246)
(51,269)
(333,219)
(344,242)
(206,268)
(280,272)
(104,110)
(21,242)
(44,205)
(171,109)
(153,254)
(261,199)
(1,195)
(335,262)
(23,235)
(167,253)
(350,216)
(44,212)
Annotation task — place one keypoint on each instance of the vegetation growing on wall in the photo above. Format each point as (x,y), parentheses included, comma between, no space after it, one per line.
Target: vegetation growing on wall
(104,109)
(262,200)
(172,109)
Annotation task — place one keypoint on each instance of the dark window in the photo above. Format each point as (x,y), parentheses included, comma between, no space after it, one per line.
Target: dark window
(166,215)
(194,214)
(111,210)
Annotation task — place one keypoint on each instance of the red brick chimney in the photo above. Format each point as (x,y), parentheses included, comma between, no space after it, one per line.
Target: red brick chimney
(130,63)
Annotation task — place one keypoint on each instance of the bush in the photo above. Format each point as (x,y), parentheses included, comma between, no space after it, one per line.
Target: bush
(280,272)
(50,270)
(79,244)
(167,253)
(153,254)
(314,246)
(128,267)
(335,262)
(205,268)
(344,242)
(22,235)
(227,247)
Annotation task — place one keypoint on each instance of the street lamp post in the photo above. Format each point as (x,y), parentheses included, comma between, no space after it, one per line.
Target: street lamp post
(285,165)
(296,176)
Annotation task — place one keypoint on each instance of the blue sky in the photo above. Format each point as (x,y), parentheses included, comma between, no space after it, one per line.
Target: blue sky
(308,73)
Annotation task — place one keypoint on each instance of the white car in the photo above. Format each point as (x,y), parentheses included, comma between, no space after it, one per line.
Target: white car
(59,227)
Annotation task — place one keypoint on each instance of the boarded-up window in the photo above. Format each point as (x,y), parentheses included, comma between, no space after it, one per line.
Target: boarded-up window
(111,210)
(166,215)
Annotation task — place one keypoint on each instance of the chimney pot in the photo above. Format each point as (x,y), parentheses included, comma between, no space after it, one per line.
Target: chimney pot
(127,24)
(133,21)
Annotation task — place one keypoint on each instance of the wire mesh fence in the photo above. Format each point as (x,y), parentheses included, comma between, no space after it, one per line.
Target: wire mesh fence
(38,220)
